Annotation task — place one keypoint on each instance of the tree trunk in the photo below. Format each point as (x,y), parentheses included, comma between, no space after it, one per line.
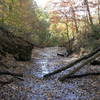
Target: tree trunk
(74,19)
(73,63)
(69,47)
(89,14)
(85,62)
(99,11)
(83,75)
(95,62)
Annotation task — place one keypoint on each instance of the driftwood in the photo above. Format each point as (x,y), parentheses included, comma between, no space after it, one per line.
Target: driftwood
(79,66)
(73,63)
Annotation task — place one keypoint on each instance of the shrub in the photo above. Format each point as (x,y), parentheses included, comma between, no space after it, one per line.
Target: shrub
(89,39)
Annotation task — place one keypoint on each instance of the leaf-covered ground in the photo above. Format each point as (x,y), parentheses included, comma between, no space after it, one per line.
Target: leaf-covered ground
(34,87)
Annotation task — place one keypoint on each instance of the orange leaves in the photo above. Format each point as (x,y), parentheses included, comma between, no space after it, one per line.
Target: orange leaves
(55,12)
(54,19)
(58,28)
(61,27)
(64,4)
(67,11)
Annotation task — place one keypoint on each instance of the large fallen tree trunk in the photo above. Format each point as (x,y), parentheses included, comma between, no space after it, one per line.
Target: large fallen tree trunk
(9,43)
(83,75)
(95,62)
(73,63)
(80,65)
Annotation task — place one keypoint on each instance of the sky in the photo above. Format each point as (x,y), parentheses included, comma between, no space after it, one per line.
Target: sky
(41,3)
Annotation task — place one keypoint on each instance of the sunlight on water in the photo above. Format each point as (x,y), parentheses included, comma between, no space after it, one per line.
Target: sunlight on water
(44,67)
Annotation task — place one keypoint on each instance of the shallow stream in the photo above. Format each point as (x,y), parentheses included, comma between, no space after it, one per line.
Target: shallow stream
(34,87)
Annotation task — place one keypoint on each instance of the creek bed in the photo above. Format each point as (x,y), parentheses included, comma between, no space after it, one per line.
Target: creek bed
(34,87)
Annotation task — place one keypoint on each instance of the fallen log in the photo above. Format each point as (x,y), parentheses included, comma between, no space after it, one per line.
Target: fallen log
(73,63)
(12,74)
(83,75)
(79,66)
(2,83)
(15,75)
(95,62)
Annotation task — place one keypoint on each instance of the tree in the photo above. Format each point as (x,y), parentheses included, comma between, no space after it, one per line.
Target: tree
(20,14)
(88,10)
(99,11)
(65,12)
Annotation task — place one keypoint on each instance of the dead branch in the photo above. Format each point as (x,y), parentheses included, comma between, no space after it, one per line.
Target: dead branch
(79,66)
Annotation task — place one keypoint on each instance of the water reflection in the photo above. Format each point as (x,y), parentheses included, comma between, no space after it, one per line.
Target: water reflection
(43,69)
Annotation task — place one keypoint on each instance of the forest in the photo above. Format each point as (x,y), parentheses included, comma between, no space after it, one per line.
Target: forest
(49,49)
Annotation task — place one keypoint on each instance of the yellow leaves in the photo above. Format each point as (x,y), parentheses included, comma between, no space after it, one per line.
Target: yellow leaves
(60,27)
(18,13)
(52,27)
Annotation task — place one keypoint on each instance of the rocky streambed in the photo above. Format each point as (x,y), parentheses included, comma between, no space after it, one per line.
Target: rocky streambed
(35,87)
